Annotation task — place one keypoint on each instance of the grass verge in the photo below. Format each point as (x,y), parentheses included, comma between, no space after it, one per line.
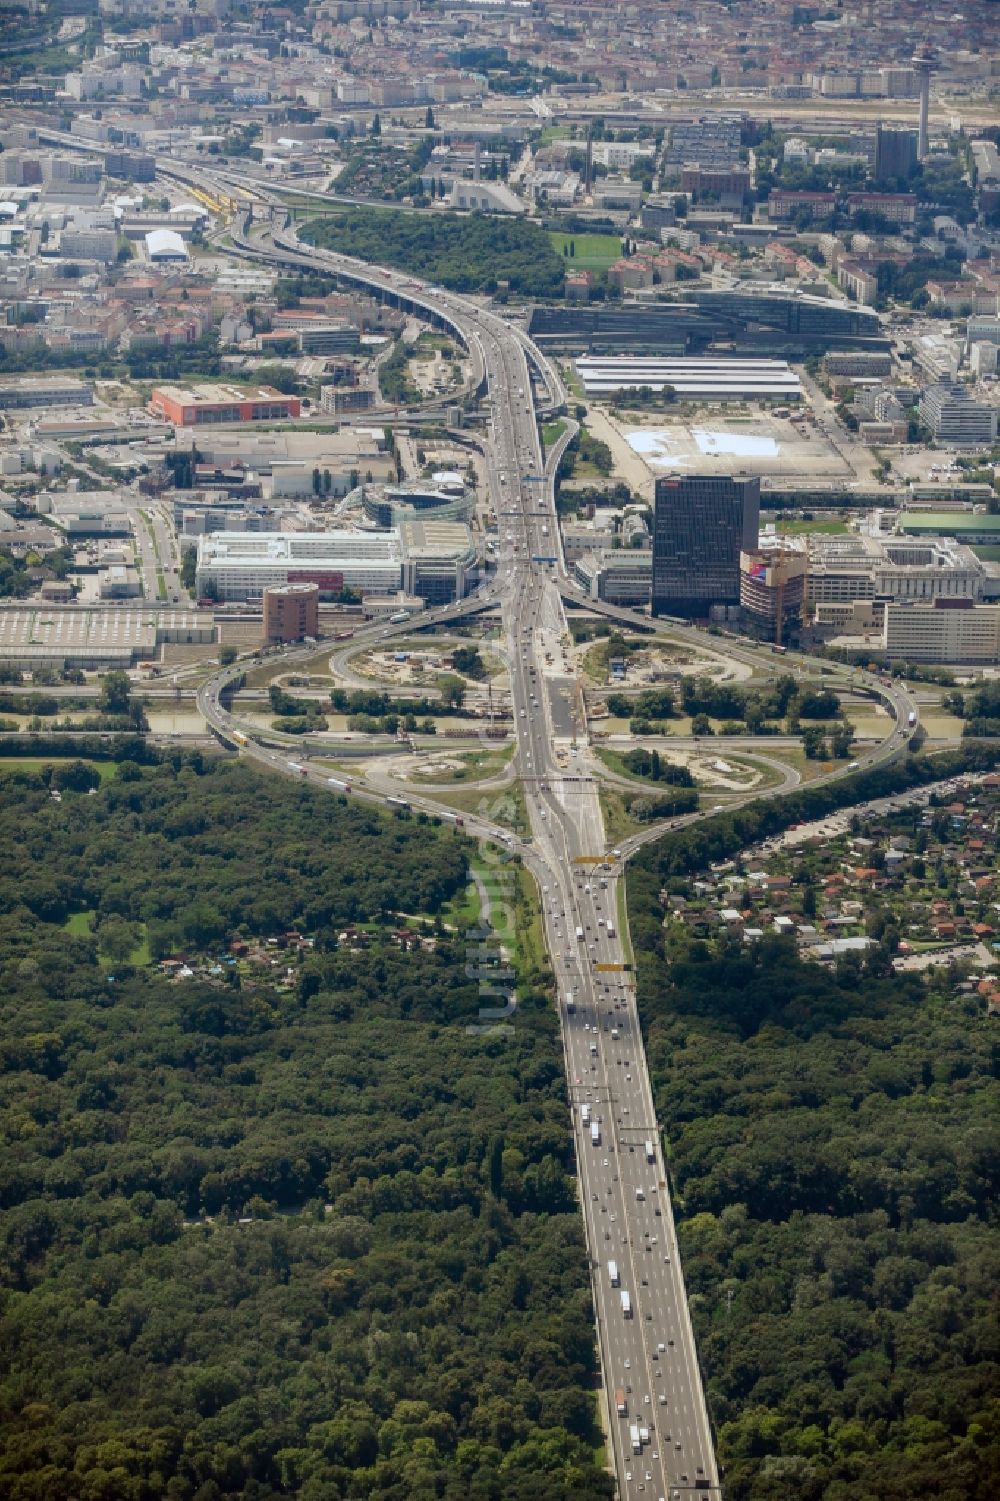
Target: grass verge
(505,807)
(621,906)
(475,766)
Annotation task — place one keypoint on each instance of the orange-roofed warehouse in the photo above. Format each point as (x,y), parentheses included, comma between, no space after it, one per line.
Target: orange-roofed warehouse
(194,406)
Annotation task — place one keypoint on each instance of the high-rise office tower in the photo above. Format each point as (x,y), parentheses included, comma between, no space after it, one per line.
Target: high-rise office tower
(895,153)
(701,524)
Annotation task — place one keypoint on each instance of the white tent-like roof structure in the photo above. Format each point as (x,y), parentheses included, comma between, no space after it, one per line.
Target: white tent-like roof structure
(165,245)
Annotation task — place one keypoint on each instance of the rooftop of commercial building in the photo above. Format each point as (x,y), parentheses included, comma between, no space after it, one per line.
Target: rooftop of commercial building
(81,628)
(214,394)
(241,549)
(42,383)
(439,539)
(690,377)
(622,559)
(863,552)
(72,502)
(282,591)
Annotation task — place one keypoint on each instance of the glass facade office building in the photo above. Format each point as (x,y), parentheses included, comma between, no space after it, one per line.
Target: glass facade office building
(702,523)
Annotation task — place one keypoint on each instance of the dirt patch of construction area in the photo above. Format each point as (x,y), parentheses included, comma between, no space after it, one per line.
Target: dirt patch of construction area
(653,665)
(730,773)
(447,768)
(419,665)
(714,440)
(718,773)
(436,365)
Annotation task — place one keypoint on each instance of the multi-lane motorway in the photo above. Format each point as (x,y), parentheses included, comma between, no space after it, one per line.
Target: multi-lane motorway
(647,1347)
(661,1444)
(650,1353)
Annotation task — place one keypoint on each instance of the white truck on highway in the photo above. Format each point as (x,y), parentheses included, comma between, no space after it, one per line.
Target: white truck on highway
(650,1153)
(570,1003)
(626,1305)
(613,1276)
(633,1434)
(585,1114)
(595,1133)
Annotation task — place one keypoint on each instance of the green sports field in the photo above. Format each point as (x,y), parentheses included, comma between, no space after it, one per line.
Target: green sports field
(593,252)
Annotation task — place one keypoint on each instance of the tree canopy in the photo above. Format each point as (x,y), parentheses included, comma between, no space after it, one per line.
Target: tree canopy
(468,253)
(301,1236)
(829,1144)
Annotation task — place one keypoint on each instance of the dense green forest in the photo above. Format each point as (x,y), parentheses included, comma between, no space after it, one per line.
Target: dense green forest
(831,1142)
(468,253)
(306,1238)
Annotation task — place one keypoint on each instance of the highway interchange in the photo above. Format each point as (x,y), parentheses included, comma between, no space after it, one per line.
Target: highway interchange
(647,1354)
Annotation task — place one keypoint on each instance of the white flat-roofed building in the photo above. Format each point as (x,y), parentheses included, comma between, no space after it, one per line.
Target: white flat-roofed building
(583,537)
(619,576)
(953,417)
(118,581)
(241,565)
(101,638)
(710,379)
(439,559)
(922,569)
(45,391)
(89,242)
(982,326)
(945,631)
(621,156)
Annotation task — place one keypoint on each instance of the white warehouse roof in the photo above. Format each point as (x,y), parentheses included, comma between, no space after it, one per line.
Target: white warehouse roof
(706,377)
(165,245)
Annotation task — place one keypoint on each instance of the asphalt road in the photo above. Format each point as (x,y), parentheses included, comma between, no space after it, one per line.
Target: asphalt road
(567,824)
(647,1350)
